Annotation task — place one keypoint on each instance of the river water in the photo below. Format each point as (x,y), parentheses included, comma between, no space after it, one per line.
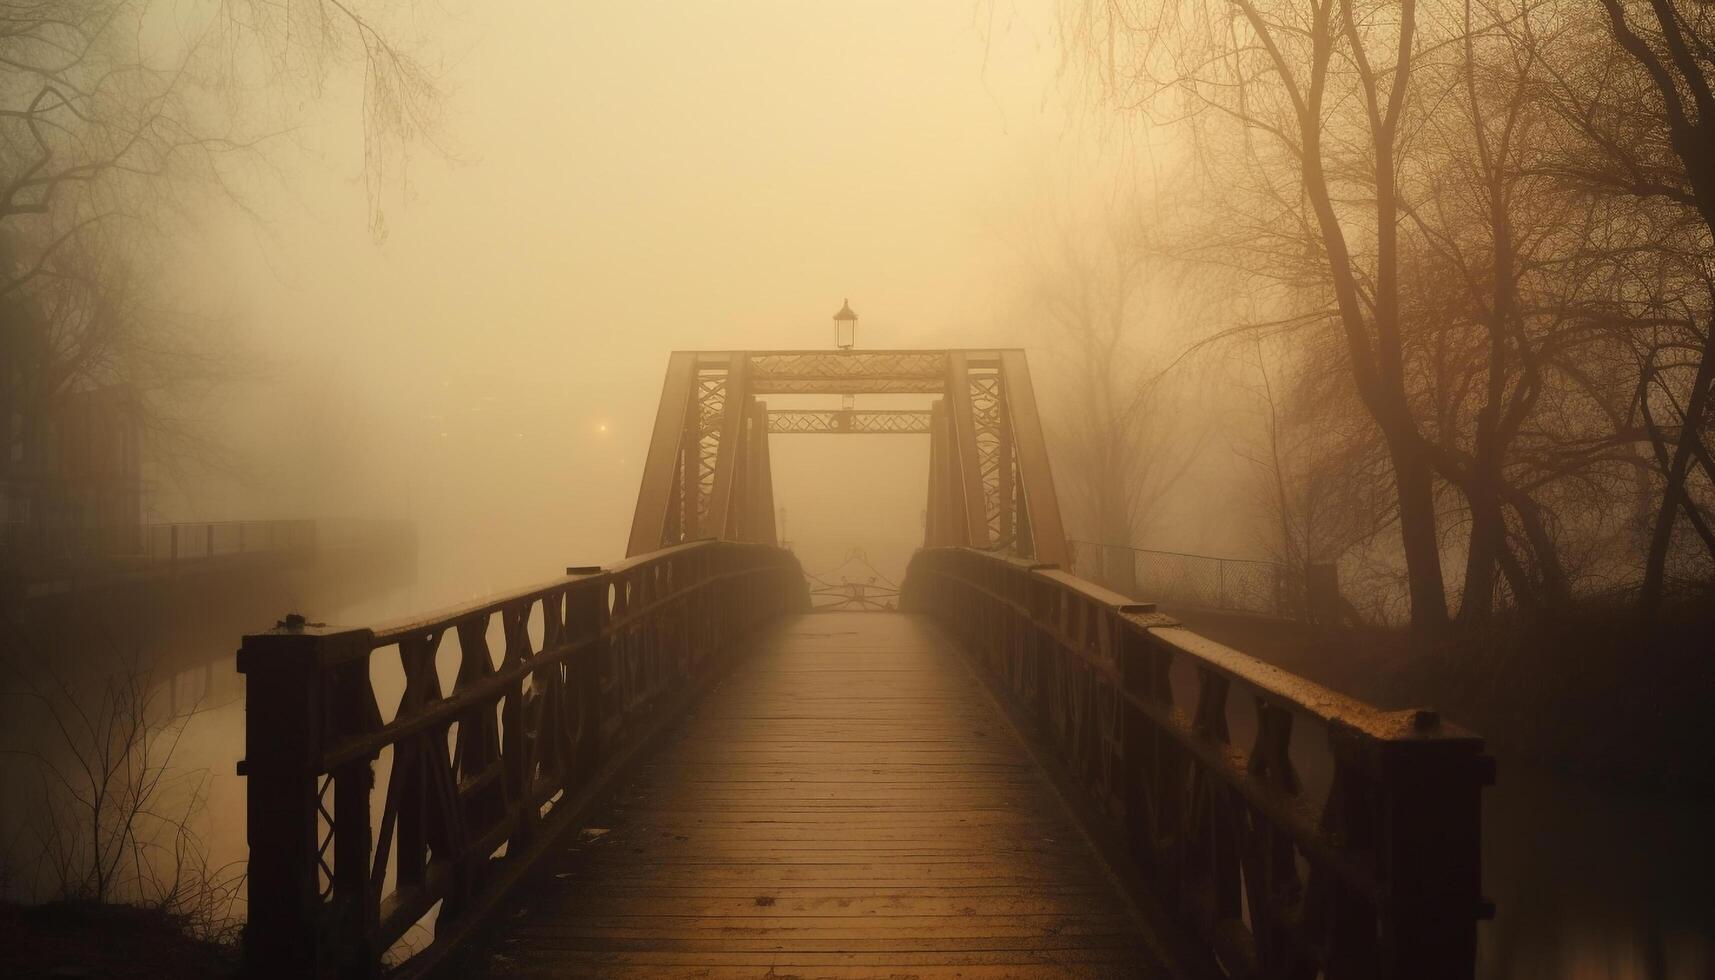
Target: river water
(1592,885)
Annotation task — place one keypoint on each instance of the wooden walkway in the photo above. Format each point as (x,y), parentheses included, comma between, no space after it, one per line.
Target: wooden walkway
(849,802)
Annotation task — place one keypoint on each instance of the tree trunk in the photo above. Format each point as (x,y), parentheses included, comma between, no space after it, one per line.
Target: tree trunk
(1416,484)
(1119,563)
(1673,495)
(1488,536)
(1555,585)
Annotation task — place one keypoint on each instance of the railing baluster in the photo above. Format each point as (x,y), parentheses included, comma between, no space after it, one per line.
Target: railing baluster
(314,729)
(1392,850)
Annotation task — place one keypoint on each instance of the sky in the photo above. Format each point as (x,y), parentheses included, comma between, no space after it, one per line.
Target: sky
(620,180)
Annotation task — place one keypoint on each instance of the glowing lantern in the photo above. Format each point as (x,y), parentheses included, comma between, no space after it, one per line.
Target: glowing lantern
(845,327)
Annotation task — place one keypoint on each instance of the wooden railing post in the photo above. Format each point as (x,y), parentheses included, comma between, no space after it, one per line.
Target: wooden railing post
(1431,788)
(293,928)
(589,617)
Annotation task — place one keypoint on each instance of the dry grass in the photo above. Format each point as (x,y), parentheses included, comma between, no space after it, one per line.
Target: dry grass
(84,939)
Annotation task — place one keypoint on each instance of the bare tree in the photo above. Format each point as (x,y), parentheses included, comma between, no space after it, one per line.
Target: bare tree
(1098,292)
(1673,45)
(117,117)
(111,819)
(1476,197)
(105,119)
(1319,473)
(1320,90)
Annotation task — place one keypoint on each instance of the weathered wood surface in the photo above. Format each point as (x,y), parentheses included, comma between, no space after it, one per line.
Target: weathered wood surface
(848,803)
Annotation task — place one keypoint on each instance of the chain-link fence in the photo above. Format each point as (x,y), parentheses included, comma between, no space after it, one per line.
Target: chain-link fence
(1235,584)
(180,542)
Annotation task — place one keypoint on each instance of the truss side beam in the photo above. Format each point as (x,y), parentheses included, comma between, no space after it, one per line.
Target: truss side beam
(729,452)
(649,524)
(935,514)
(965,456)
(760,510)
(1041,506)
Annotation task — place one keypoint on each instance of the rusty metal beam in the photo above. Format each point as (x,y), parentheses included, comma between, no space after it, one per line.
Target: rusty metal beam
(792,421)
(729,453)
(761,497)
(848,372)
(935,518)
(1006,475)
(965,458)
(1041,505)
(656,495)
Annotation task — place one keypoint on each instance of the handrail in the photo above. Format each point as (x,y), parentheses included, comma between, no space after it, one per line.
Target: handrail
(479,779)
(1355,854)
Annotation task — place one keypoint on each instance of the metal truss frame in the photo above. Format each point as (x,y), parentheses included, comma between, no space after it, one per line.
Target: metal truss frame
(708,474)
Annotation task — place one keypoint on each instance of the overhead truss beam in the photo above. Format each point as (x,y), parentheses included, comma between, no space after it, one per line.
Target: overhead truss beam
(848,372)
(792,421)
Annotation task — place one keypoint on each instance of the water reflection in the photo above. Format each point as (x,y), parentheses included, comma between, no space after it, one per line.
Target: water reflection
(1594,886)
(213,738)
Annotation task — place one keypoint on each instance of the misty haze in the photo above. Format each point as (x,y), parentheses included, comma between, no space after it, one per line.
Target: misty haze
(1089,488)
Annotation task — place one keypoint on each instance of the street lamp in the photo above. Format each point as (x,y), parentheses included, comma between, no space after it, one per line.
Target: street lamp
(845,326)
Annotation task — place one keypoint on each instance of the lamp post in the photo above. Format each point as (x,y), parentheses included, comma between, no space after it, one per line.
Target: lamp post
(845,326)
(845,338)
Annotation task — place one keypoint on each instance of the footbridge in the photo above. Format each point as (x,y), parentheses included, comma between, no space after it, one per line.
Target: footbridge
(671,767)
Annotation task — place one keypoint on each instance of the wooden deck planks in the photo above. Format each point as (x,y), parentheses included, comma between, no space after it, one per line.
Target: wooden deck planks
(848,803)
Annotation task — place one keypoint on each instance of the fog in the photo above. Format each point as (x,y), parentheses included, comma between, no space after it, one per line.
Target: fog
(621,181)
(1426,430)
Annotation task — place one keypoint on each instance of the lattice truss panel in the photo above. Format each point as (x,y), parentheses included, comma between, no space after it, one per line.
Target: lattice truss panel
(854,421)
(848,372)
(996,463)
(708,407)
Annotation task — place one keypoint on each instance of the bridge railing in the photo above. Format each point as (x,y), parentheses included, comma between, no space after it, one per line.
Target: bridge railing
(1295,832)
(500,720)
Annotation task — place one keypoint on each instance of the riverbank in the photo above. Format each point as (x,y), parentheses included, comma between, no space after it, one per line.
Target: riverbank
(1587,692)
(81,939)
(1595,835)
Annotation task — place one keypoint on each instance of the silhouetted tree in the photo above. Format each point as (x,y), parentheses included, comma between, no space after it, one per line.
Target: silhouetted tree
(117,117)
(1321,91)
(1090,288)
(1476,198)
(1672,43)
